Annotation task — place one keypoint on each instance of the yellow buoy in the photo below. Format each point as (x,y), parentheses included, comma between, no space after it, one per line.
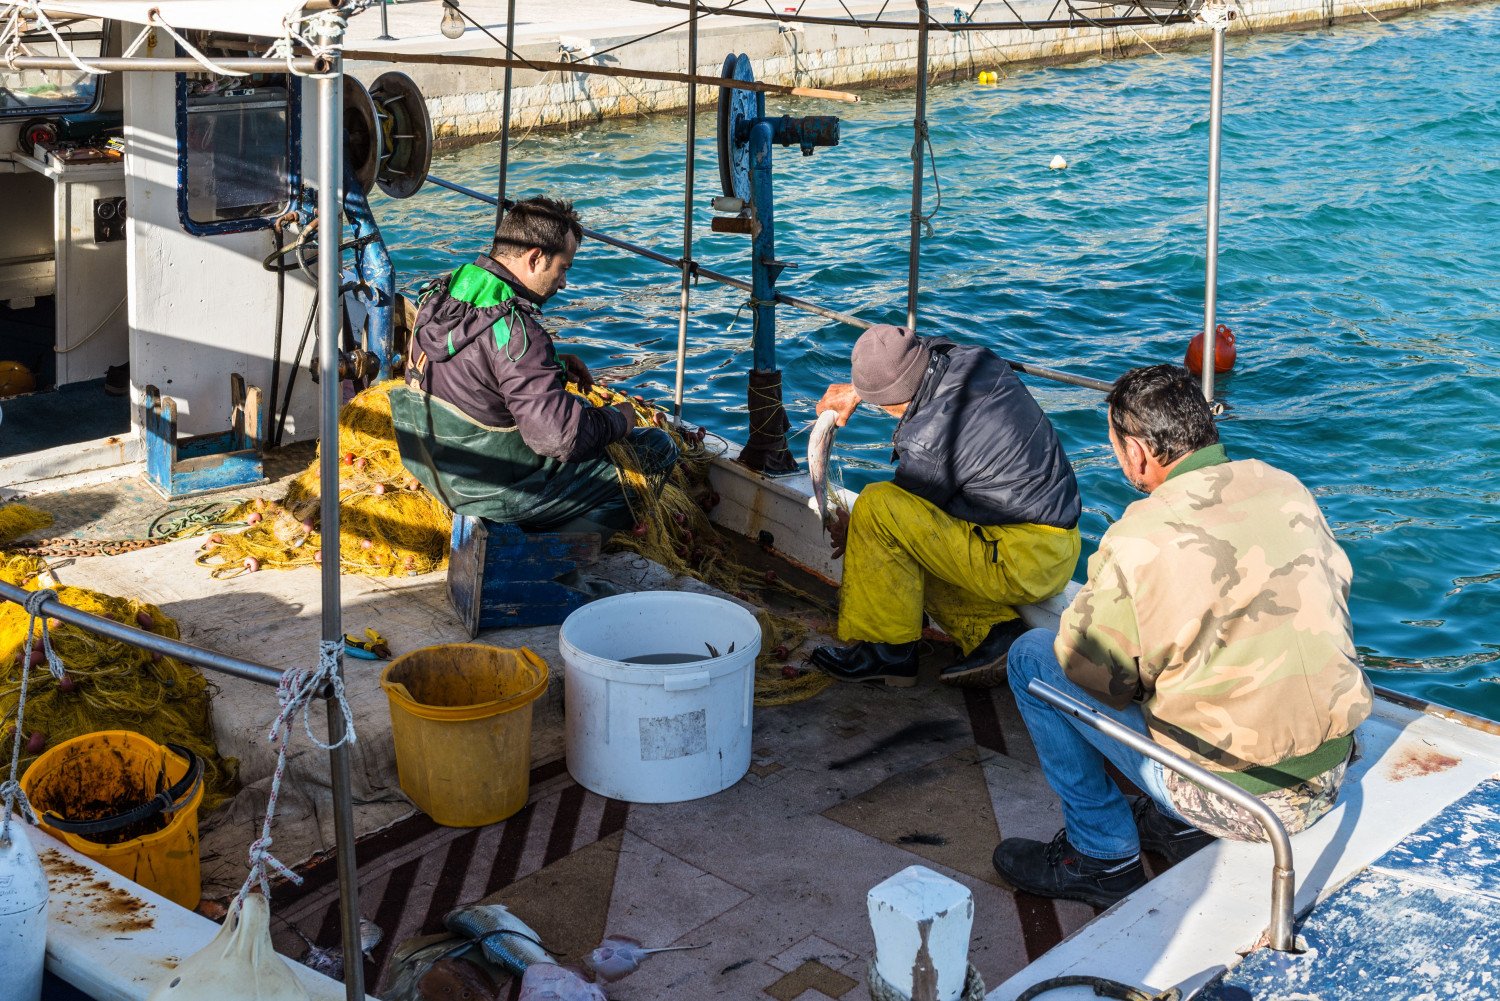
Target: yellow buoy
(15,379)
(989,76)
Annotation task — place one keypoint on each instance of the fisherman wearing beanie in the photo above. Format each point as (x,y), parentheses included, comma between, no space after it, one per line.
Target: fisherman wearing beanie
(980,517)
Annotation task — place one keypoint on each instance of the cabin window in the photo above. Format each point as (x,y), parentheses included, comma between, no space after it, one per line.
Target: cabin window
(238,146)
(24,93)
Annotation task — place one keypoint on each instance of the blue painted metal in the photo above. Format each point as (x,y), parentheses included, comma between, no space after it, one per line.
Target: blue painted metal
(499,576)
(764,268)
(377,279)
(294,165)
(1422,923)
(202,463)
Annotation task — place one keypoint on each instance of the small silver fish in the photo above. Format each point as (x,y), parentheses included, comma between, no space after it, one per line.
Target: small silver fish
(819,447)
(505,939)
(618,956)
(558,983)
(369,937)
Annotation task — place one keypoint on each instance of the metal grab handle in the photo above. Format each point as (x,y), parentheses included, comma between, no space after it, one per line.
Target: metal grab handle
(1283,881)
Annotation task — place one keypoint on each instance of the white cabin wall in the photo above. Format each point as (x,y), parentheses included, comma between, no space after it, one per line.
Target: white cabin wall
(201,308)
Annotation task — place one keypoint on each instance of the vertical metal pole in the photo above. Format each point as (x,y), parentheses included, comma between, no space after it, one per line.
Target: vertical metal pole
(1211,279)
(687,213)
(763,267)
(330,102)
(918,150)
(385,24)
(510,53)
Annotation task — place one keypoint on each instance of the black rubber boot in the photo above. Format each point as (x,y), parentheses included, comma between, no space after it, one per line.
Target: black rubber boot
(1057,869)
(893,663)
(1168,838)
(985,666)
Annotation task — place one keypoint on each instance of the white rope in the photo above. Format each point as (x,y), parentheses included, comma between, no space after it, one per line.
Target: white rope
(1215,14)
(298,689)
(11,788)
(155,18)
(304,29)
(62,46)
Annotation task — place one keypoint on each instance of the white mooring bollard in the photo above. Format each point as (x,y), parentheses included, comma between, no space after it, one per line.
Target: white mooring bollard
(921,922)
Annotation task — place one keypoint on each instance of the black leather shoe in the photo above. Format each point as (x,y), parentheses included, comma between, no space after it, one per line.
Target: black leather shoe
(985,667)
(1169,838)
(893,663)
(1057,869)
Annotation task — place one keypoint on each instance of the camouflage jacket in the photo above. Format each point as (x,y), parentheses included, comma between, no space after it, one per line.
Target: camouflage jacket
(1220,604)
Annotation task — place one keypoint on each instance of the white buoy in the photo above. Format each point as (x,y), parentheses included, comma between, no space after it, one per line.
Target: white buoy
(23,916)
(1058,163)
(921,920)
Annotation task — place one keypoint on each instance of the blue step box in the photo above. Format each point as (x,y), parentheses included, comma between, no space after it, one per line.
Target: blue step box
(182,467)
(500,576)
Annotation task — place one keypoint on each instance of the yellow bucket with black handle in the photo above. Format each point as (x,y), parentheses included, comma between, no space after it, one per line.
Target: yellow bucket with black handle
(127,802)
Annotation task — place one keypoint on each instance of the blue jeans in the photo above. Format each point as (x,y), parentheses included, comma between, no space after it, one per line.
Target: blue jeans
(1096,813)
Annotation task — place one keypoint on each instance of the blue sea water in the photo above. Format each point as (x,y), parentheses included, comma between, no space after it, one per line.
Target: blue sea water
(1359,269)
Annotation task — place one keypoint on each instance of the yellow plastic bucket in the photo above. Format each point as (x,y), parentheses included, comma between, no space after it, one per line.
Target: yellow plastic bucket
(461,719)
(105,777)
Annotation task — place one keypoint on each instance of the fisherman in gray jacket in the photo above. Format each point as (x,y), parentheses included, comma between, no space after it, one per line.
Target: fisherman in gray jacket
(981,515)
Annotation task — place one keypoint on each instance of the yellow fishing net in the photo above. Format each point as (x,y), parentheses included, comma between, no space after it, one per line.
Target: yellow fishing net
(17,520)
(108,685)
(390,525)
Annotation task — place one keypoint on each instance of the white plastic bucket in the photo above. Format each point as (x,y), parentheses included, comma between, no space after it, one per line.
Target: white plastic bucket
(659,732)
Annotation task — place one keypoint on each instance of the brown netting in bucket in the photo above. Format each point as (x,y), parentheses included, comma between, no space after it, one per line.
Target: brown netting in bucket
(108,685)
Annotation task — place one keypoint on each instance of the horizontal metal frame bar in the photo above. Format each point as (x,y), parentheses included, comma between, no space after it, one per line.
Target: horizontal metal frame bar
(1040,24)
(1283,882)
(788,300)
(109,628)
(301,64)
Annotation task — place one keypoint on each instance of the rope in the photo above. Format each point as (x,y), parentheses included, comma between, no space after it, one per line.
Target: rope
(881,990)
(155,19)
(328,24)
(11,788)
(924,139)
(1215,14)
(18,44)
(297,690)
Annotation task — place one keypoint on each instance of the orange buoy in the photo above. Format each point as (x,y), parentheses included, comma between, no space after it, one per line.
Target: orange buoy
(1224,352)
(15,379)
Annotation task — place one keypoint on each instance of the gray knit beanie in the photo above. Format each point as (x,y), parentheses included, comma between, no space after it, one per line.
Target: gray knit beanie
(888,364)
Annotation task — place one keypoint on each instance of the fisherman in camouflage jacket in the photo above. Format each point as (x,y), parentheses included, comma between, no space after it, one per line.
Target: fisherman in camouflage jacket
(1215,620)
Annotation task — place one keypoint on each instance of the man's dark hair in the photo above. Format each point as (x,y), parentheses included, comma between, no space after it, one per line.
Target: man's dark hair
(1164,407)
(543,223)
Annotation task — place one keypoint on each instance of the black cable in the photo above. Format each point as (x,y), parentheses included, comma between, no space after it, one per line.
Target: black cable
(280,323)
(1102,986)
(291,379)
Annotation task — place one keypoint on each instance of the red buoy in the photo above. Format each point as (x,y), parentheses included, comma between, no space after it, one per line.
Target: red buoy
(1223,351)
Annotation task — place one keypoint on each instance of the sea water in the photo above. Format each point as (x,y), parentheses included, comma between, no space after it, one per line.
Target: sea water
(1358,268)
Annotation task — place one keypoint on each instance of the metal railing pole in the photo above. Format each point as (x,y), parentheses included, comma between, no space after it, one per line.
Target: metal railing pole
(246,64)
(510,50)
(1211,277)
(918,150)
(1279,933)
(385,24)
(687,215)
(330,100)
(110,629)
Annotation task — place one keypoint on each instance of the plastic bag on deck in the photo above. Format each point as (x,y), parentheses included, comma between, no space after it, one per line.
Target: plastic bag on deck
(240,963)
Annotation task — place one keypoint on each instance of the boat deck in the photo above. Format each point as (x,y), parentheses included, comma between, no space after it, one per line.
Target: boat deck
(770,876)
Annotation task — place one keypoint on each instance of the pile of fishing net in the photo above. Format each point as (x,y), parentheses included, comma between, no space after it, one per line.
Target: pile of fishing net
(388,524)
(17,520)
(108,685)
